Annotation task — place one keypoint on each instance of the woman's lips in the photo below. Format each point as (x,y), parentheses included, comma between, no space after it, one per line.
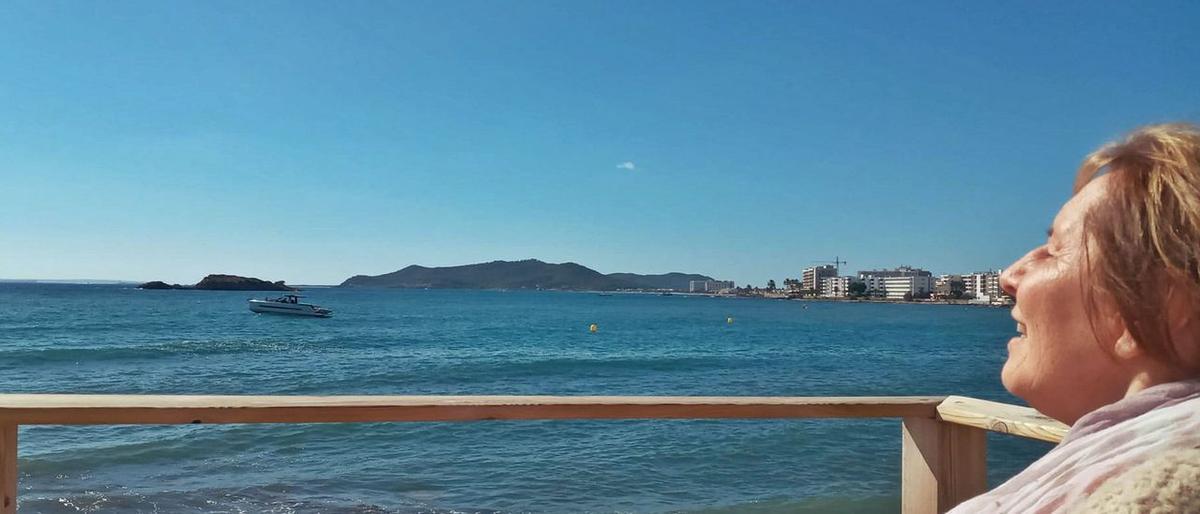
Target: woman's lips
(1020,337)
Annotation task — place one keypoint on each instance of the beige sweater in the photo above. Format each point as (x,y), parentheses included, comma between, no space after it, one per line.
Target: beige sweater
(1140,454)
(1166,484)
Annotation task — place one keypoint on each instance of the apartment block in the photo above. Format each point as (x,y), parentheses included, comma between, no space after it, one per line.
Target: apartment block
(836,287)
(708,286)
(894,283)
(811,278)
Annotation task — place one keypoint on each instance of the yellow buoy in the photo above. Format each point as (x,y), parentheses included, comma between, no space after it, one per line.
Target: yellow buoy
(593,328)
(729,320)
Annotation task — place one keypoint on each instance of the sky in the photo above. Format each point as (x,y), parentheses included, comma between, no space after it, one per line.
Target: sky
(313,141)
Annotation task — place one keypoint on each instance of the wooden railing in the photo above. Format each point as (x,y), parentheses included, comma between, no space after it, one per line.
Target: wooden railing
(943,457)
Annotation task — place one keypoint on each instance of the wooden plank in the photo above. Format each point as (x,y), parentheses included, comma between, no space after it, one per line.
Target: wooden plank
(70,409)
(966,471)
(918,469)
(942,465)
(1001,417)
(8,468)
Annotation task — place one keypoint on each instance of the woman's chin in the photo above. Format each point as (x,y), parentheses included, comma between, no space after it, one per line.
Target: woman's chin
(1010,374)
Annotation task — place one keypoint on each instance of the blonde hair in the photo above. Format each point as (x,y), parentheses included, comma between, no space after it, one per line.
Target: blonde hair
(1146,231)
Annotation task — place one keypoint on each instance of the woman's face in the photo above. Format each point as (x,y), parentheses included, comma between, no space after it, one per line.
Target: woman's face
(1057,362)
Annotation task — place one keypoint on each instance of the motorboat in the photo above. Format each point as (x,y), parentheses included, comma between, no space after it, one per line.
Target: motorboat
(288,304)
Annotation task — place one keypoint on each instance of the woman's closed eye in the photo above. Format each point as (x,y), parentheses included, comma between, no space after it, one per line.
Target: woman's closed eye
(1043,252)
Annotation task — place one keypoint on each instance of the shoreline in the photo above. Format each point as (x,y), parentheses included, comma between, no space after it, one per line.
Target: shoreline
(964,303)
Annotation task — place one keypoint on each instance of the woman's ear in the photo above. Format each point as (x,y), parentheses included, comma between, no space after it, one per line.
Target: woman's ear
(1126,347)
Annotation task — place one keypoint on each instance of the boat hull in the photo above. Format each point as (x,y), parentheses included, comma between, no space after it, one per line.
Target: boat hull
(291,309)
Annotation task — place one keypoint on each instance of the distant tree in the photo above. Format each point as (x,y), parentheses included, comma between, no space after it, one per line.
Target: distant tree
(771,285)
(908,297)
(858,288)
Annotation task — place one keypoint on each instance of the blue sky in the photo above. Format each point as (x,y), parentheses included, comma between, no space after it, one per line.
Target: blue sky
(309,142)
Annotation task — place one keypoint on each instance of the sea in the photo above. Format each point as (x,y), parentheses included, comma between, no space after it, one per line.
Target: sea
(62,338)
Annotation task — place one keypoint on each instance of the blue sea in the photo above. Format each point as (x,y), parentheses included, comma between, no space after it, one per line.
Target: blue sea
(116,339)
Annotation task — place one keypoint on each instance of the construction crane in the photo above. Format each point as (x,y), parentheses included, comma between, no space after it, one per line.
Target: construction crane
(836,262)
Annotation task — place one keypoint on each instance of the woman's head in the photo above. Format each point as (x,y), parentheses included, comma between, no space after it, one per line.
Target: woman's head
(1111,303)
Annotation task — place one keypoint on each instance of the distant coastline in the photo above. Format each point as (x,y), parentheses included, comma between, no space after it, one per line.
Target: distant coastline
(864,299)
(525,274)
(76,281)
(219,282)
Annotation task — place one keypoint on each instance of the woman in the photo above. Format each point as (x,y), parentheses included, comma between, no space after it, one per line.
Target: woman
(1108,322)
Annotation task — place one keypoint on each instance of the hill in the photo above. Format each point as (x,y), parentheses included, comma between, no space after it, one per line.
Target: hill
(219,282)
(673,281)
(526,274)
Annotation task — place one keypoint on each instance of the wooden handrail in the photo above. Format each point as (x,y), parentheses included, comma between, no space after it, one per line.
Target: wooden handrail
(71,409)
(1001,417)
(943,458)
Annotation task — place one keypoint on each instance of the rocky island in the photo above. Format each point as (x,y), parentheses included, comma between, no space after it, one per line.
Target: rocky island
(219,282)
(526,274)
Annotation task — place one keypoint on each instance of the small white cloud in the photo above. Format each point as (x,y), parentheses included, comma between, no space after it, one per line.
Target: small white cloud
(627,165)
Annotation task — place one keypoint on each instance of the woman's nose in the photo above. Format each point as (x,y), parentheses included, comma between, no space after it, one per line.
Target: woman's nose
(1011,276)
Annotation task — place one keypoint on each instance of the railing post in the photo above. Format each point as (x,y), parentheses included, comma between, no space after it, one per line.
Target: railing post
(942,465)
(8,468)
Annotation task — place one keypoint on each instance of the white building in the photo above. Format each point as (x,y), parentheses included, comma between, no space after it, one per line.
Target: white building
(975,284)
(898,288)
(811,278)
(836,287)
(994,291)
(874,284)
(880,283)
(984,287)
(708,286)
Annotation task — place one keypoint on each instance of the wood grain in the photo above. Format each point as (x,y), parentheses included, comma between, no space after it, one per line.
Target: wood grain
(1001,417)
(71,409)
(8,468)
(942,465)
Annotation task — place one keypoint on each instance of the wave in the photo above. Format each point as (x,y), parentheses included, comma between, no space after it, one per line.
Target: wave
(148,351)
(279,499)
(166,444)
(274,499)
(622,364)
(832,505)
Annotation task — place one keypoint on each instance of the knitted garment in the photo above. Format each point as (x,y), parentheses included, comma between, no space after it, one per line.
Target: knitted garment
(1099,463)
(1166,484)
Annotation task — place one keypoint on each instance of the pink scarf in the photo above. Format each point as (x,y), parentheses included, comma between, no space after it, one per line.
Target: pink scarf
(1099,446)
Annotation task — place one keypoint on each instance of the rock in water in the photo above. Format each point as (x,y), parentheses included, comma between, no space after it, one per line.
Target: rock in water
(236,283)
(217,282)
(158,284)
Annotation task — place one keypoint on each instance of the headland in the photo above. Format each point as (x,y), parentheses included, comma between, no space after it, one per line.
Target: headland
(219,282)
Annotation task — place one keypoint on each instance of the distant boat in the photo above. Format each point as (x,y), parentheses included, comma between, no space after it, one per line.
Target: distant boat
(288,304)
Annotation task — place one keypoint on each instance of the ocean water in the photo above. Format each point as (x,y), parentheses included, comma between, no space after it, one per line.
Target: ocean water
(115,339)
